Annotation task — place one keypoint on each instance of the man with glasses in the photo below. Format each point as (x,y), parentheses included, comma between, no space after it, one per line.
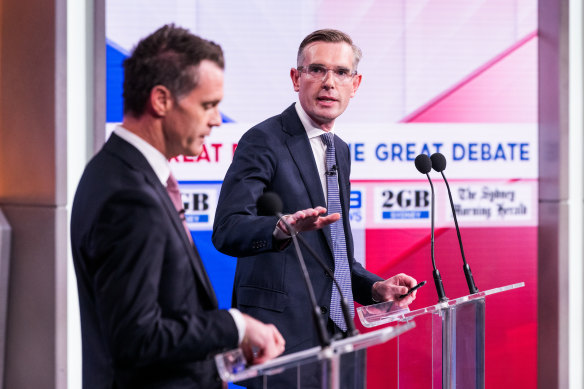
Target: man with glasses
(297,155)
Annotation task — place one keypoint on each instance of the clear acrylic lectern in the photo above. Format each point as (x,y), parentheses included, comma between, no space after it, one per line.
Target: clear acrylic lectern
(458,336)
(231,365)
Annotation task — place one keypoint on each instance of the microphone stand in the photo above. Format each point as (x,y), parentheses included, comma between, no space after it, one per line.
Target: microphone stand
(435,273)
(467,273)
(321,329)
(424,165)
(351,330)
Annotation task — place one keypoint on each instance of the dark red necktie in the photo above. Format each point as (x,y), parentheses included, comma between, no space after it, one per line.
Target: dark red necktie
(174,193)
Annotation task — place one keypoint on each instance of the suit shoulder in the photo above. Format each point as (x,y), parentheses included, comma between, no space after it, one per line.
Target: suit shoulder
(105,168)
(107,177)
(279,126)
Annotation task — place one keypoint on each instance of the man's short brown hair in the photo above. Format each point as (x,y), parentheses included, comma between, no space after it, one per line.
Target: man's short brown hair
(170,56)
(329,35)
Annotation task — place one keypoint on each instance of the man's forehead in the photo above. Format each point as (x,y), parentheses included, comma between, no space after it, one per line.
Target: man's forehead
(329,53)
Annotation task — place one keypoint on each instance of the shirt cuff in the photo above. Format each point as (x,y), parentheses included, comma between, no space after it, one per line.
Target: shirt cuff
(239,323)
(278,234)
(373,298)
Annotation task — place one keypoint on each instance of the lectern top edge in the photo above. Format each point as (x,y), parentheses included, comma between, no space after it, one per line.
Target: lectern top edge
(387,312)
(233,372)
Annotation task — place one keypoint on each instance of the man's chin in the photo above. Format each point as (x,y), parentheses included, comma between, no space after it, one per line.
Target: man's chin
(329,113)
(326,117)
(195,150)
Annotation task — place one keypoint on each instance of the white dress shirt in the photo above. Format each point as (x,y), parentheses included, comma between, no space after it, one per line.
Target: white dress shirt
(318,146)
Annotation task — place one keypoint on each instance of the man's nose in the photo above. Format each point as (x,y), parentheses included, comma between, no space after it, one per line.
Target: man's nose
(216,119)
(329,79)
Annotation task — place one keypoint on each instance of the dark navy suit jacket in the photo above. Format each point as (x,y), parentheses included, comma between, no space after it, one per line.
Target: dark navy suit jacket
(276,156)
(149,316)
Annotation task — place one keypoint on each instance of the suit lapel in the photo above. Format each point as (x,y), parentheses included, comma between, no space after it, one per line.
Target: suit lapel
(191,249)
(301,152)
(131,156)
(343,166)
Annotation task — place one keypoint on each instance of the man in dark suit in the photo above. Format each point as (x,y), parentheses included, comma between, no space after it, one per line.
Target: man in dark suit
(149,316)
(287,154)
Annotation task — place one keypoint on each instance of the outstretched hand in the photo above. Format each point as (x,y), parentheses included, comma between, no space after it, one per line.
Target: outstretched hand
(308,220)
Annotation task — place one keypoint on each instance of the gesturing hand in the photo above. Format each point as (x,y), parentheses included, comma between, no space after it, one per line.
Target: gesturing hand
(308,220)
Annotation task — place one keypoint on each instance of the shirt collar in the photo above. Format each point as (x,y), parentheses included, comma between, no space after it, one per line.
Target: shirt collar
(312,130)
(155,158)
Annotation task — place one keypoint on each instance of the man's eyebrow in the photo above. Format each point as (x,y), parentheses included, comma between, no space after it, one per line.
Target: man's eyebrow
(338,67)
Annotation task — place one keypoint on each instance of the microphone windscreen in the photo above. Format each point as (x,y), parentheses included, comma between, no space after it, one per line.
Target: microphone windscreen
(423,163)
(438,162)
(269,204)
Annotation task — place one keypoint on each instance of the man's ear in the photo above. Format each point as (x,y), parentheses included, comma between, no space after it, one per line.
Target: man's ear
(356,82)
(295,75)
(160,100)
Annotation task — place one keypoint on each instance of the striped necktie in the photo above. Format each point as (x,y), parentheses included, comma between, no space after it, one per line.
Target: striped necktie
(342,269)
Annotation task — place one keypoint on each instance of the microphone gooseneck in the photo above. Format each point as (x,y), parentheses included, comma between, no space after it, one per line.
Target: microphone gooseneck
(439,164)
(424,166)
(351,330)
(271,204)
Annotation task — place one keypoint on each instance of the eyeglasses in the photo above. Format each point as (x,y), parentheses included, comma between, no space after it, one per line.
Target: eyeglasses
(319,73)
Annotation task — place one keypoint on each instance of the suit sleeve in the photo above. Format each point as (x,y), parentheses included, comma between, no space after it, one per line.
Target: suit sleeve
(362,283)
(238,230)
(128,247)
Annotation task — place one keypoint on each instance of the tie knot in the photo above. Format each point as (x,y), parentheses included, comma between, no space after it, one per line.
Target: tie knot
(328,139)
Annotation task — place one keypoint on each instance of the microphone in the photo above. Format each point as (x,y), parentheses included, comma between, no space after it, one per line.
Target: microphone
(271,204)
(424,166)
(439,164)
(332,172)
